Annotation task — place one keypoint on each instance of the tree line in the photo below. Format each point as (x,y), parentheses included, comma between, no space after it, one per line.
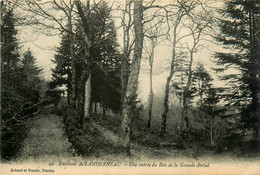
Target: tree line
(21,85)
(97,71)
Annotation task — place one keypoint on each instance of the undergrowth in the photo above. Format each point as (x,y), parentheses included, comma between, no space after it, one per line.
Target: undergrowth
(86,141)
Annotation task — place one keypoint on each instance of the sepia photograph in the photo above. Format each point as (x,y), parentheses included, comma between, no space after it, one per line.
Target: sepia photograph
(130,87)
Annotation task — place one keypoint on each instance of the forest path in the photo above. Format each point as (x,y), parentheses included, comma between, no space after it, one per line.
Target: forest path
(46,139)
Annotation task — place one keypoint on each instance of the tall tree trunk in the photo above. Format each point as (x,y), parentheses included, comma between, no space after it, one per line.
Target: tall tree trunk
(211,135)
(132,83)
(69,87)
(165,104)
(167,86)
(186,91)
(85,24)
(88,103)
(126,50)
(124,76)
(103,110)
(73,62)
(184,115)
(257,129)
(95,108)
(150,105)
(254,73)
(8,66)
(68,97)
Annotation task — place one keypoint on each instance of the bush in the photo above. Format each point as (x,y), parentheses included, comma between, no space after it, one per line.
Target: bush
(110,122)
(51,97)
(11,140)
(15,113)
(87,141)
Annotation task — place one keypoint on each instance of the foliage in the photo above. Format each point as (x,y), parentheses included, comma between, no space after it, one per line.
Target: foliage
(9,42)
(207,121)
(20,89)
(105,64)
(20,101)
(61,74)
(87,141)
(239,31)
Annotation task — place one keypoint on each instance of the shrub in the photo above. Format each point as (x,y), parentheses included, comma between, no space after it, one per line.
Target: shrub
(87,141)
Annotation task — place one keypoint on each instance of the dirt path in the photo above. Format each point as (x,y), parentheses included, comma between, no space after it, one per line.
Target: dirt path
(46,139)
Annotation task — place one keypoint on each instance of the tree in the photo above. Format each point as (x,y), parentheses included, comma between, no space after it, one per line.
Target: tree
(30,72)
(131,88)
(72,55)
(44,14)
(180,82)
(85,15)
(151,58)
(238,31)
(104,57)
(10,101)
(199,24)
(62,73)
(208,117)
(20,101)
(183,9)
(9,43)
(153,34)
(128,43)
(19,86)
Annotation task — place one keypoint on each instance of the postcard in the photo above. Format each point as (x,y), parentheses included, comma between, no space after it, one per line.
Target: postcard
(130,87)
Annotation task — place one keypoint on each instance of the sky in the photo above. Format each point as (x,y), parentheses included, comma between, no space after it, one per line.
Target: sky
(43,48)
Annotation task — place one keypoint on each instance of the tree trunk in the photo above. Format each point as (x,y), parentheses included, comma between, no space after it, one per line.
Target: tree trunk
(84,15)
(257,125)
(132,83)
(88,104)
(95,108)
(126,52)
(165,105)
(104,110)
(68,97)
(69,87)
(185,116)
(254,73)
(150,105)
(211,136)
(124,76)
(73,63)
(186,91)
(167,86)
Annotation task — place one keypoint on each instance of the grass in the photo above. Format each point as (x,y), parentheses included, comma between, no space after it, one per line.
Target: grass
(47,140)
